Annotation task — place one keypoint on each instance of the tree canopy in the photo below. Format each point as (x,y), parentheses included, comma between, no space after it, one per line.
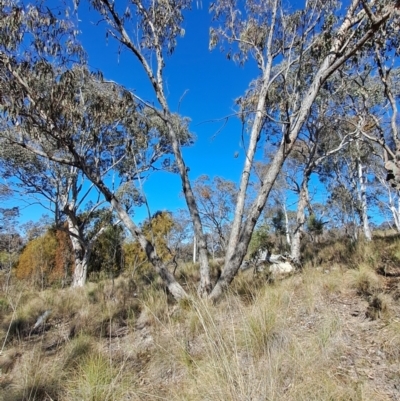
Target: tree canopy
(325,81)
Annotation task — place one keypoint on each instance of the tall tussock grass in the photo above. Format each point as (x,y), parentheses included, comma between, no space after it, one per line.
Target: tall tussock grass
(278,341)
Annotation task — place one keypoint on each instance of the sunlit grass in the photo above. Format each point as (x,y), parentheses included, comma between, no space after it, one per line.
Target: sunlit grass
(96,378)
(275,341)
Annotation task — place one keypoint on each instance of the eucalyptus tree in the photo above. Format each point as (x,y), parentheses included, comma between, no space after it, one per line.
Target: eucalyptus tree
(216,199)
(149,30)
(59,189)
(368,99)
(296,53)
(346,176)
(378,113)
(55,108)
(390,80)
(329,130)
(386,197)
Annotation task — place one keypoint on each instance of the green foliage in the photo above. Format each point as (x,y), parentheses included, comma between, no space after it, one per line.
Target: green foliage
(315,225)
(260,239)
(8,259)
(278,222)
(107,251)
(156,230)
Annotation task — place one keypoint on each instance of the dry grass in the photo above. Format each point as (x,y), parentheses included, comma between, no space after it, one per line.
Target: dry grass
(97,378)
(327,333)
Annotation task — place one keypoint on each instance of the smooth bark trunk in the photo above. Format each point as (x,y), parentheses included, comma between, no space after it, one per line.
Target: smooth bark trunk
(300,221)
(238,244)
(194,249)
(168,278)
(82,251)
(205,281)
(287,232)
(259,119)
(237,255)
(363,202)
(395,213)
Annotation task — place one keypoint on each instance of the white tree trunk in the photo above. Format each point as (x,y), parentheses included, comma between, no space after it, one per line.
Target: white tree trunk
(392,199)
(241,233)
(80,271)
(287,232)
(300,221)
(396,214)
(82,252)
(254,138)
(363,201)
(194,249)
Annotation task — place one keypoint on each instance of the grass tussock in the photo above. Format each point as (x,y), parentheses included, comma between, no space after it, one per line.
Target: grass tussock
(390,338)
(35,378)
(365,281)
(97,378)
(329,332)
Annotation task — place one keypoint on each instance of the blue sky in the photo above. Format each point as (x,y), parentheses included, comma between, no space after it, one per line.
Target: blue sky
(200,84)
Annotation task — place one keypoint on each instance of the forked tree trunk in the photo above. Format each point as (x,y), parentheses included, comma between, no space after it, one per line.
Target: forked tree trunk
(239,250)
(81,252)
(240,239)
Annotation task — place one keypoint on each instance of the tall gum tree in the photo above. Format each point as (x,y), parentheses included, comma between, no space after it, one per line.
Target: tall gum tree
(149,30)
(368,97)
(58,110)
(281,43)
(329,130)
(382,109)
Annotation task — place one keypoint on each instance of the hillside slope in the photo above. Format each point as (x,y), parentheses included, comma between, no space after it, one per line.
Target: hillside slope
(329,332)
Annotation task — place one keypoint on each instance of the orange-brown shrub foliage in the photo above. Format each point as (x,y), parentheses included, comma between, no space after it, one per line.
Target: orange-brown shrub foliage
(38,258)
(46,259)
(64,261)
